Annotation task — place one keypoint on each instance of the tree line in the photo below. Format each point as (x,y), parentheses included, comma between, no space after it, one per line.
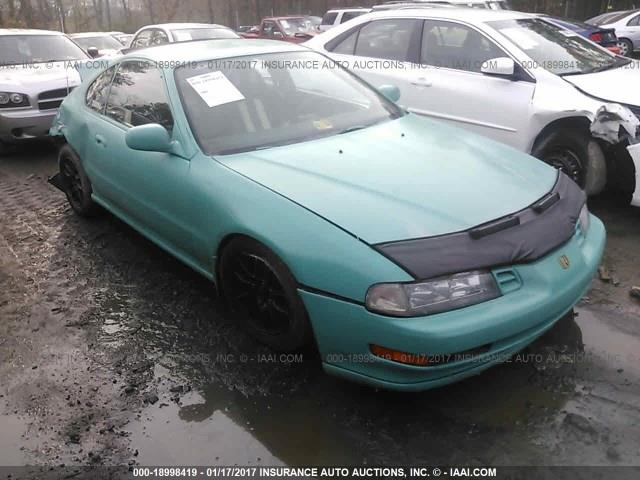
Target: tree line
(129,15)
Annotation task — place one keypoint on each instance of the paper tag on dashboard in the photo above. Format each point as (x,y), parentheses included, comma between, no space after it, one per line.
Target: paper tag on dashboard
(215,89)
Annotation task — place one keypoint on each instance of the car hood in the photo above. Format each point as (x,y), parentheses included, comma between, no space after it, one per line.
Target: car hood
(38,76)
(619,85)
(402,179)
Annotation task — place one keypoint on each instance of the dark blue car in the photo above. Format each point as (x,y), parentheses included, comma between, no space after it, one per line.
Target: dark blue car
(605,37)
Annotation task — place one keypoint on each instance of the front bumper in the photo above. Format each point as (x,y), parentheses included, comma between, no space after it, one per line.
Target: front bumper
(543,292)
(24,124)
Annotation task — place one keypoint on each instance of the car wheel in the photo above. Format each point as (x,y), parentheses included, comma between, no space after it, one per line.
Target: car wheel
(260,289)
(567,150)
(625,46)
(76,183)
(622,176)
(4,148)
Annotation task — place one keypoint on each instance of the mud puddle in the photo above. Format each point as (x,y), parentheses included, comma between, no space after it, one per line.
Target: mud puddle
(138,363)
(12,451)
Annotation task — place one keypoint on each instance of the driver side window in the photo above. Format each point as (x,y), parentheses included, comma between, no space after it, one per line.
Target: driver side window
(138,96)
(455,46)
(142,40)
(158,37)
(269,29)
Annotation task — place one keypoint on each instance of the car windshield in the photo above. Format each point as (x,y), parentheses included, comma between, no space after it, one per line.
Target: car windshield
(186,34)
(250,103)
(28,49)
(291,26)
(102,42)
(556,49)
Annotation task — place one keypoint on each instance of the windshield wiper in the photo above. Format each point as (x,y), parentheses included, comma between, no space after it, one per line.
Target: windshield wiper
(354,128)
(617,63)
(576,72)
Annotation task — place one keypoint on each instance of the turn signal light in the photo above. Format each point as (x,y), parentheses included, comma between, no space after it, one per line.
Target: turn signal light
(419,360)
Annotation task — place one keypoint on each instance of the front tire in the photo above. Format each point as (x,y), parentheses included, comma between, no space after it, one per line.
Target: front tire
(4,149)
(567,149)
(77,185)
(261,290)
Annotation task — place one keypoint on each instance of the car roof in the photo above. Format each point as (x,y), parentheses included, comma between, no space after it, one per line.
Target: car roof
(465,14)
(172,26)
(285,17)
(27,31)
(203,50)
(352,9)
(392,2)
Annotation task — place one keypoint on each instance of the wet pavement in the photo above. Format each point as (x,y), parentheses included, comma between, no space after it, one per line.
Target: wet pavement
(112,352)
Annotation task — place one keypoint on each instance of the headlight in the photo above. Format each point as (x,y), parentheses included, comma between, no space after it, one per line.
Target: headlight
(432,296)
(584,219)
(16,98)
(13,99)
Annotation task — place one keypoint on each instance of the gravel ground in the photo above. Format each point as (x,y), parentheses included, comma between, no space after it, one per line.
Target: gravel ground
(113,353)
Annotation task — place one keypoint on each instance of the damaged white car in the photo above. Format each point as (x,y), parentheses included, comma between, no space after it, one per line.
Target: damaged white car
(510,76)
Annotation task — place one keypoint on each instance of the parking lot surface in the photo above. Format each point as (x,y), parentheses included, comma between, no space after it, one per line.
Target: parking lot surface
(112,352)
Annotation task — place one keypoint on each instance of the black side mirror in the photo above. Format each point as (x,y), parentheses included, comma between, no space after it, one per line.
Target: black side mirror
(93,52)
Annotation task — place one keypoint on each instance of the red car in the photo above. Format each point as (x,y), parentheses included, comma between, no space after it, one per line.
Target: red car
(289,29)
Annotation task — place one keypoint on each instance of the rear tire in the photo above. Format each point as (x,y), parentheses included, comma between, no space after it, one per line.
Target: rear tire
(626,47)
(77,185)
(4,149)
(566,149)
(261,290)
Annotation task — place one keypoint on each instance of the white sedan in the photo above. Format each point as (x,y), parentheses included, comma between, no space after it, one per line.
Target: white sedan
(627,27)
(510,76)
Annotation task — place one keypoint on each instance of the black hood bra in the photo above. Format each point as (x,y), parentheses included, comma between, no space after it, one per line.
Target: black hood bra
(521,237)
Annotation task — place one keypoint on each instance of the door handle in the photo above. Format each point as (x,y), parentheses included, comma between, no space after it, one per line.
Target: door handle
(100,140)
(421,82)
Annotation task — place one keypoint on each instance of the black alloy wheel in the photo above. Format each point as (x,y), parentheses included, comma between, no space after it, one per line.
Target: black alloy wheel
(262,292)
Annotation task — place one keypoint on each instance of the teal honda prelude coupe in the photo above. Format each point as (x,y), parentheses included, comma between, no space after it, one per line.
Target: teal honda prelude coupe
(413,254)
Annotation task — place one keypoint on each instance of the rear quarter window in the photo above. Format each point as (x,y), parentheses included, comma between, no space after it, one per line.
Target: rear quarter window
(329,18)
(98,91)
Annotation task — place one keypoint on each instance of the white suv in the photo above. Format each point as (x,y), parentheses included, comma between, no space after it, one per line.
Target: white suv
(36,74)
(510,76)
(337,17)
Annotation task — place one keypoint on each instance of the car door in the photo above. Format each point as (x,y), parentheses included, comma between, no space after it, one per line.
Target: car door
(631,30)
(449,85)
(382,52)
(96,102)
(150,189)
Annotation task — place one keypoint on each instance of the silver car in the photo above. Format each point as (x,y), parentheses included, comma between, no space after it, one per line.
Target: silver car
(36,74)
(627,27)
(154,35)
